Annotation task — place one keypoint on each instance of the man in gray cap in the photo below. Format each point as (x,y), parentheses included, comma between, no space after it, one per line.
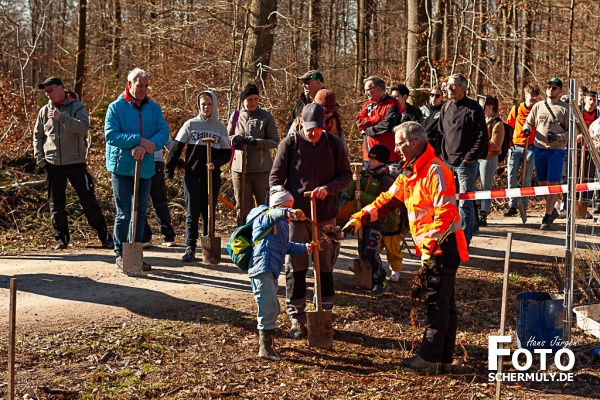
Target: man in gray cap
(59,147)
(311,160)
(312,82)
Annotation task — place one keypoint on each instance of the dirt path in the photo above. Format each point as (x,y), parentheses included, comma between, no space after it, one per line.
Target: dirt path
(81,285)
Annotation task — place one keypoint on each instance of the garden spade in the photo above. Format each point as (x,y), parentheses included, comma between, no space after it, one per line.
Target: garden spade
(363,274)
(132,251)
(211,245)
(319,322)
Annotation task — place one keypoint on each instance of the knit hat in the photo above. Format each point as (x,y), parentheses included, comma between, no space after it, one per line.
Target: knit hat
(380,152)
(313,116)
(249,90)
(278,195)
(326,98)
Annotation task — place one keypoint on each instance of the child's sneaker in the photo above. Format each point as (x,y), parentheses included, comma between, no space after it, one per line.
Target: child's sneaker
(380,289)
(395,277)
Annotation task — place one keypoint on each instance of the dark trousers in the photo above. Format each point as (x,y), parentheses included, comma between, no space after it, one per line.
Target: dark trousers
(160,203)
(56,180)
(441,324)
(196,203)
(370,252)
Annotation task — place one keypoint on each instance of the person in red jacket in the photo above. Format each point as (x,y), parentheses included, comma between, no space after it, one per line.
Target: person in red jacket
(426,187)
(379,115)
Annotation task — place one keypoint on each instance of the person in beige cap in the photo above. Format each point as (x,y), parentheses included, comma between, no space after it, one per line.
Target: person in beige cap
(312,82)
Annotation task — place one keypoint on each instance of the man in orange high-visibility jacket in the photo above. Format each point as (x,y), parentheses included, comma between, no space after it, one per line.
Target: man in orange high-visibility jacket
(426,186)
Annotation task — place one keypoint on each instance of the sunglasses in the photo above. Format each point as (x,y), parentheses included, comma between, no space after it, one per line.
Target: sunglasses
(553,88)
(437,96)
(50,90)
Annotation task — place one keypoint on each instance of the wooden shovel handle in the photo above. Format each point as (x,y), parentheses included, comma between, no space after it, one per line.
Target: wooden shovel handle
(211,217)
(315,238)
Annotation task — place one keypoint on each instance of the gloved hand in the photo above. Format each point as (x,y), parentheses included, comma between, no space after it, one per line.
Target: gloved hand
(298,215)
(310,248)
(252,141)
(237,140)
(526,132)
(553,137)
(353,224)
(427,260)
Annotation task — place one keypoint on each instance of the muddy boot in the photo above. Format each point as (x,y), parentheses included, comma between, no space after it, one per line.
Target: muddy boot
(267,347)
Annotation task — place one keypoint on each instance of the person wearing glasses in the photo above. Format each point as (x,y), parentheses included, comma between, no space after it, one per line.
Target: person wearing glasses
(431,114)
(378,116)
(516,119)
(550,118)
(407,111)
(59,147)
(312,82)
(465,140)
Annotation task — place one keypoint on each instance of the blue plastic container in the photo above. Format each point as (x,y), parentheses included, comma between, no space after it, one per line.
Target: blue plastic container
(539,321)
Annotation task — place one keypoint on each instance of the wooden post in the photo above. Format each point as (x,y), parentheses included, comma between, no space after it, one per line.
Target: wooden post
(504,301)
(12,323)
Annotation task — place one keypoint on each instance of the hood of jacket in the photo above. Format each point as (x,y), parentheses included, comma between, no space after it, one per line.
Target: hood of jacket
(214,116)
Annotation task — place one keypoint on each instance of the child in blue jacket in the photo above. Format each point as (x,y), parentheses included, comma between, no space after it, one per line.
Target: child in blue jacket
(268,255)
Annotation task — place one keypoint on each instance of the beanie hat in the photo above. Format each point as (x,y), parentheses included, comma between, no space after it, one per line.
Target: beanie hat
(278,195)
(326,98)
(313,116)
(249,90)
(380,152)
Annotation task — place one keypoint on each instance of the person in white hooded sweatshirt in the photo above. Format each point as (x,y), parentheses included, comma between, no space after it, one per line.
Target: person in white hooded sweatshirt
(205,125)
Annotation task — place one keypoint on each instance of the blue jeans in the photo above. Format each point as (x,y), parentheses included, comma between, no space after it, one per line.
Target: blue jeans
(466,175)
(123,193)
(487,170)
(515,159)
(264,287)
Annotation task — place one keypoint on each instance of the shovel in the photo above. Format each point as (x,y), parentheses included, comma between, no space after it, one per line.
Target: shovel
(363,274)
(211,245)
(520,204)
(132,251)
(319,322)
(241,221)
(581,205)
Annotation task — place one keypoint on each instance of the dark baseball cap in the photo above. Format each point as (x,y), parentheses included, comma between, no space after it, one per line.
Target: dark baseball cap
(313,116)
(312,74)
(51,81)
(556,81)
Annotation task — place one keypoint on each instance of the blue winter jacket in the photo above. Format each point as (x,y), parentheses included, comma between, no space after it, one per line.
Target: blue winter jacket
(268,255)
(124,126)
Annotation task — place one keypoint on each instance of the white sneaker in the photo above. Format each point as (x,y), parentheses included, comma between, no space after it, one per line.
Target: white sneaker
(147,245)
(395,277)
(169,244)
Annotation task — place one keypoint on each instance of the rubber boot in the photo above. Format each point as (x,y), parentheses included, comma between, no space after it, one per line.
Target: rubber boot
(266,346)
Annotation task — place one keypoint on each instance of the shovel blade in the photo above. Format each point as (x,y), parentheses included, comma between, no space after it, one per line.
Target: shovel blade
(522,211)
(132,258)
(320,329)
(363,274)
(211,249)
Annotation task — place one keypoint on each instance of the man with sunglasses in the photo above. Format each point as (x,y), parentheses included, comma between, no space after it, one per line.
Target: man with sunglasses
(312,82)
(431,112)
(550,118)
(59,147)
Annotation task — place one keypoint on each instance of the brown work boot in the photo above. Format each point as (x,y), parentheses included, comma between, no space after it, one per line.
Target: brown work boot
(267,347)
(419,364)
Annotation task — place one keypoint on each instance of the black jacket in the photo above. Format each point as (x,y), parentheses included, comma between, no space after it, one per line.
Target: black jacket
(430,122)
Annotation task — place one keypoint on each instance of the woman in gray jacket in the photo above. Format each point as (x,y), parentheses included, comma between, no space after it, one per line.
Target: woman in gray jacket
(253,134)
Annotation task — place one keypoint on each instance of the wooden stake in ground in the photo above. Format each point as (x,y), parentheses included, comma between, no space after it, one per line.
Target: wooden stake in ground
(504,301)
(12,327)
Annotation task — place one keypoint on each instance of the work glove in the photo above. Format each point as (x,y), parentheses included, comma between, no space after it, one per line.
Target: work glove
(237,140)
(298,215)
(353,224)
(427,260)
(252,141)
(526,132)
(553,137)
(310,247)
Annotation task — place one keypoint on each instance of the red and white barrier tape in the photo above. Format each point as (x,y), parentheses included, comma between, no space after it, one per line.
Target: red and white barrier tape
(522,192)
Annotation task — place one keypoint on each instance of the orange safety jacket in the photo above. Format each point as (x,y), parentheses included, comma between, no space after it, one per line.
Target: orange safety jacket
(516,122)
(429,194)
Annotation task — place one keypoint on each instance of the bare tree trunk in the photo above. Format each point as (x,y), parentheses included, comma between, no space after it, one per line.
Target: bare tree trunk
(436,32)
(415,51)
(570,51)
(116,41)
(361,52)
(527,57)
(80,60)
(259,44)
(314,33)
(447,30)
(515,52)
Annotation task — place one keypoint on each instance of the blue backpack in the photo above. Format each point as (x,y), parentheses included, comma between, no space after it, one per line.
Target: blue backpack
(240,245)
